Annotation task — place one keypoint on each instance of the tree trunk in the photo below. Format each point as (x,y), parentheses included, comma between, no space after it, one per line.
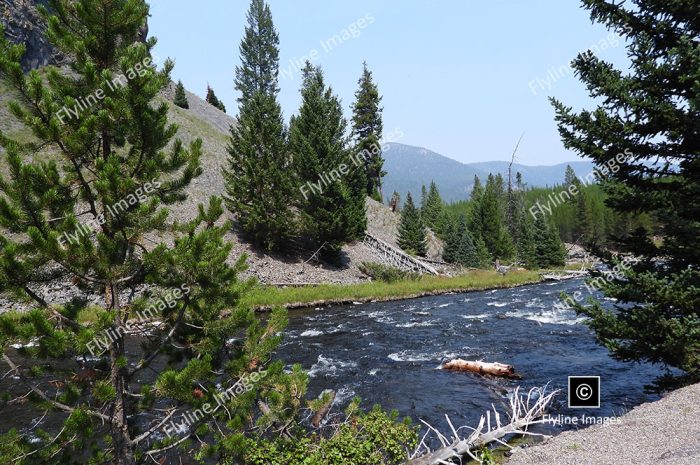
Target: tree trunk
(483,368)
(123,448)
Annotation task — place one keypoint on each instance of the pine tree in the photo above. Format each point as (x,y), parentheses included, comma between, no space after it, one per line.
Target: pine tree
(549,250)
(450,239)
(467,253)
(259,180)
(412,236)
(570,176)
(491,214)
(89,215)
(584,226)
(211,99)
(432,210)
(180,98)
(526,246)
(367,129)
(475,222)
(475,208)
(643,137)
(318,144)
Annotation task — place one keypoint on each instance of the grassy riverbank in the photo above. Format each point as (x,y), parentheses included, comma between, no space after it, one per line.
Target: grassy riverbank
(265,297)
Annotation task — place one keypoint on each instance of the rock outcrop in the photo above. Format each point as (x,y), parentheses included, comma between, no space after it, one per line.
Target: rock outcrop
(24,24)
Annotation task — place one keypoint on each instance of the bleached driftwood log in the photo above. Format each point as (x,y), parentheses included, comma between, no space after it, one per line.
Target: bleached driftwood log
(525,411)
(483,368)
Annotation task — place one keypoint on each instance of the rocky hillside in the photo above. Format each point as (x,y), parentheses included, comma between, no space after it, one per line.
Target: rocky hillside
(204,121)
(201,120)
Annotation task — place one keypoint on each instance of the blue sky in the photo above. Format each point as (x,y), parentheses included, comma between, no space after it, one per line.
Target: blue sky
(459,77)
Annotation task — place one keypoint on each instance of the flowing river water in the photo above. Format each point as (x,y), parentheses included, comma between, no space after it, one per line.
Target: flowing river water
(388,353)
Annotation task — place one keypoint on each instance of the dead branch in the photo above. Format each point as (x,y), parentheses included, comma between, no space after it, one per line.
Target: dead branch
(525,411)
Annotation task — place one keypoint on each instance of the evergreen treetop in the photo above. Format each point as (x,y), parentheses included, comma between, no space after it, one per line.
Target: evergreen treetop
(259,52)
(432,209)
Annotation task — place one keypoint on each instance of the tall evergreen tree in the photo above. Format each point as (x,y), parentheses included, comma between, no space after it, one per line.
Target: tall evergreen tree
(475,221)
(491,213)
(89,215)
(432,209)
(411,236)
(644,139)
(259,180)
(317,141)
(584,226)
(474,207)
(180,98)
(526,245)
(450,239)
(367,129)
(213,100)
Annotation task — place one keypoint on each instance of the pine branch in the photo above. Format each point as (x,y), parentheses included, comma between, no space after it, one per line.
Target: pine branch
(42,394)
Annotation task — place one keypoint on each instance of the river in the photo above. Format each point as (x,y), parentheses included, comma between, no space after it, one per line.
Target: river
(388,353)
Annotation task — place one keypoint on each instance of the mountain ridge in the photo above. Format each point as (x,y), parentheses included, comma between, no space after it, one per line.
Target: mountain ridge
(410,167)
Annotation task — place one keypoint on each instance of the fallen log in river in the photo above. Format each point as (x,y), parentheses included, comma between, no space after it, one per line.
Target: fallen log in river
(482,368)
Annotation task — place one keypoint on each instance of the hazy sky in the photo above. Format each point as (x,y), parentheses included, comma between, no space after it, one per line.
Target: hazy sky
(459,77)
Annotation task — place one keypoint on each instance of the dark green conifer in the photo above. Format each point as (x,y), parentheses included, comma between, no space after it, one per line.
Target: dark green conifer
(213,100)
(317,141)
(367,130)
(412,238)
(432,211)
(180,96)
(549,249)
(260,186)
(643,137)
(491,212)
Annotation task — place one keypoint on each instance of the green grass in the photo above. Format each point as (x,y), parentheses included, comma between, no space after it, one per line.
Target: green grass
(266,296)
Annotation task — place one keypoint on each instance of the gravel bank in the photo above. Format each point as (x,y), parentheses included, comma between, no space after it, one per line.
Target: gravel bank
(665,432)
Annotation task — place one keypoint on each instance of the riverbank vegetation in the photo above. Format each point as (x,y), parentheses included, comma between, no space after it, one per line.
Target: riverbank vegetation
(267,296)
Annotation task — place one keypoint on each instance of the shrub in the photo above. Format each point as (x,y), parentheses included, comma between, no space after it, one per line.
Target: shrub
(388,274)
(375,437)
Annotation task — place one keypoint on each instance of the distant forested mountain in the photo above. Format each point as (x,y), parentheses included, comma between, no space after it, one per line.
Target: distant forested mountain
(411,167)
